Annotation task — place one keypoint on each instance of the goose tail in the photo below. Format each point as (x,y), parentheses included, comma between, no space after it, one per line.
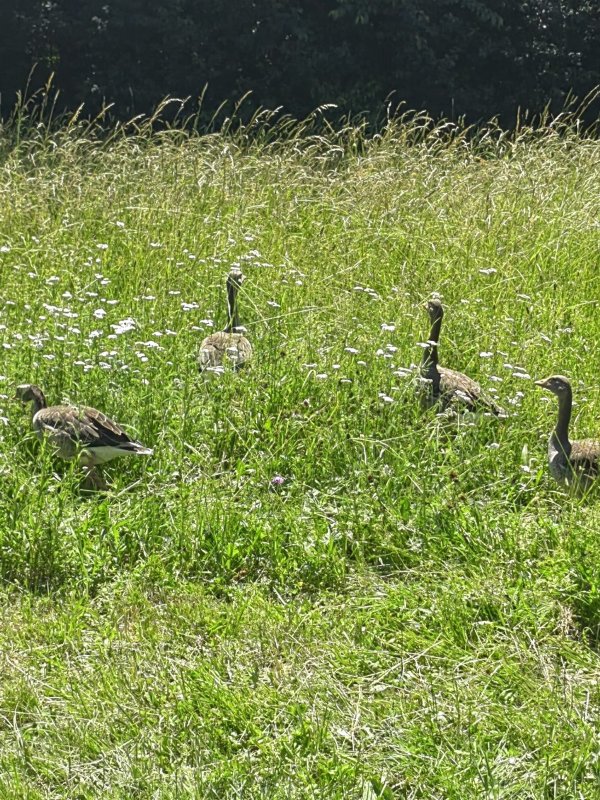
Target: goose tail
(139,449)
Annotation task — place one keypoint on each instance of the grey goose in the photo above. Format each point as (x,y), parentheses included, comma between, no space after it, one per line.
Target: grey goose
(445,388)
(573,465)
(79,432)
(230,343)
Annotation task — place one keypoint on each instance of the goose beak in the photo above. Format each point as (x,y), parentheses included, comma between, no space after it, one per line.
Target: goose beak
(541,384)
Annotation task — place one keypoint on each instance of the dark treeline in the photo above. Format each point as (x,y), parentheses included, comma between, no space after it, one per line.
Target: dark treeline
(477,58)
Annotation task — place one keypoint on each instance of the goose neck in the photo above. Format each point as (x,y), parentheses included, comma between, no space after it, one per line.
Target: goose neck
(232,310)
(561,431)
(430,354)
(38,401)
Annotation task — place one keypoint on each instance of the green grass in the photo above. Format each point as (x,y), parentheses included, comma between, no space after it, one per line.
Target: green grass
(415,612)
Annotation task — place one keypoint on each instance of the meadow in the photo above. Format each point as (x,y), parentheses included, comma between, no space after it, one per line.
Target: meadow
(312,589)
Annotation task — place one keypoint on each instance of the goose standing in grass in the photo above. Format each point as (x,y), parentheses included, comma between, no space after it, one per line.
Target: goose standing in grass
(229,343)
(78,432)
(446,388)
(573,465)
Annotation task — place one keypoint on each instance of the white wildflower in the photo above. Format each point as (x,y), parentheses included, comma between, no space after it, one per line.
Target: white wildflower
(124,326)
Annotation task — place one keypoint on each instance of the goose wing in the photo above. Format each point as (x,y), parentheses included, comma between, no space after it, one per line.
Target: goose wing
(211,351)
(87,427)
(102,430)
(456,387)
(215,348)
(585,457)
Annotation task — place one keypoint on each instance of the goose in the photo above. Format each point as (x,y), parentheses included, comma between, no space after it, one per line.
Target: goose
(573,465)
(78,432)
(229,343)
(444,387)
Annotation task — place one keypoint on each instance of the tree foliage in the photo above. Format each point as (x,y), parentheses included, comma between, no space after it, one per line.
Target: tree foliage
(453,57)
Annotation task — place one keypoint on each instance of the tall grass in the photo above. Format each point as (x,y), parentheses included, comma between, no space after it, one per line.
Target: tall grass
(414,611)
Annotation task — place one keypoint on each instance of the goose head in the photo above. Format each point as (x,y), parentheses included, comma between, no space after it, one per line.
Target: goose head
(30,393)
(434,309)
(27,392)
(557,384)
(235,278)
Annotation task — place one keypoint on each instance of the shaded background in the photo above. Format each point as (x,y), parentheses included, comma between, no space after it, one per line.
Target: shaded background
(476,58)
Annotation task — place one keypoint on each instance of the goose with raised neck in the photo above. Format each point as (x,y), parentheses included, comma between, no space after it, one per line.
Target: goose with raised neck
(574,465)
(447,389)
(229,344)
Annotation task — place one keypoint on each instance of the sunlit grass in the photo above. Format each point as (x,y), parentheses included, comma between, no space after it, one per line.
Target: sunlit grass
(311,589)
